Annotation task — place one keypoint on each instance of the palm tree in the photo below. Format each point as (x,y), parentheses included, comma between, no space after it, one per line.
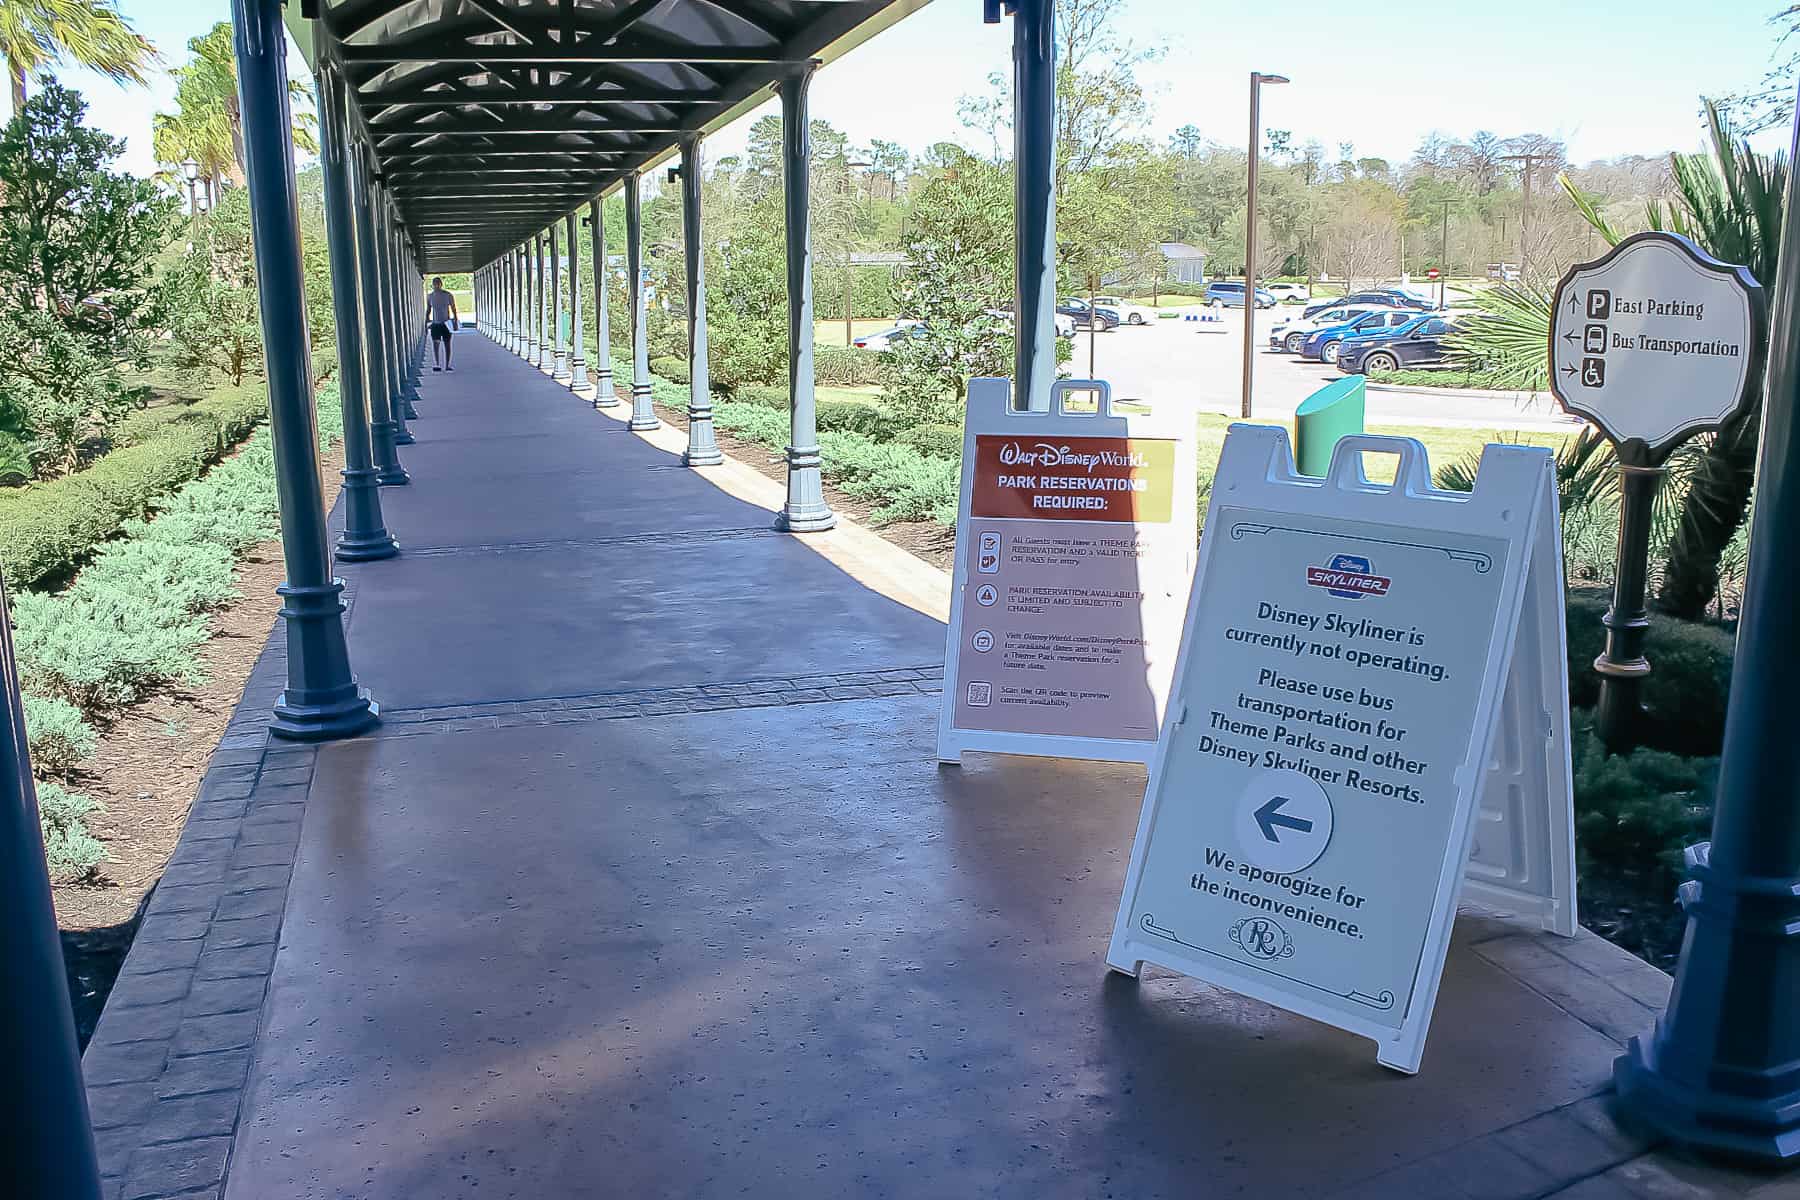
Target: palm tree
(34,34)
(206,125)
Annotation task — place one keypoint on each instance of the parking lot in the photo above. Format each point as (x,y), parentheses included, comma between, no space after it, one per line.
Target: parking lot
(1199,364)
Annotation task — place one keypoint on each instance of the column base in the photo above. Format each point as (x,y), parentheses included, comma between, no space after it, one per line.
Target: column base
(578,377)
(366,547)
(643,412)
(412,414)
(300,722)
(606,392)
(394,476)
(702,449)
(403,437)
(322,700)
(813,521)
(1721,1072)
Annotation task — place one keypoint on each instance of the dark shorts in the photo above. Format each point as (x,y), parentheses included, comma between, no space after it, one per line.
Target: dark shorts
(440,331)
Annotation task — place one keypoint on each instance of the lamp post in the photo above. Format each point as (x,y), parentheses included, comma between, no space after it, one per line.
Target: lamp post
(1257,79)
(849,312)
(190,170)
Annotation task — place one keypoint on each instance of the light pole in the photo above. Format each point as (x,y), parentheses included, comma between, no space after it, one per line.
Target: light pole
(1444,258)
(1257,79)
(849,312)
(190,170)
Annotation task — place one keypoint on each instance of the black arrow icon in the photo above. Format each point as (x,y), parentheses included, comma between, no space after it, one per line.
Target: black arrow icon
(1569,370)
(1270,816)
(1574,304)
(1569,336)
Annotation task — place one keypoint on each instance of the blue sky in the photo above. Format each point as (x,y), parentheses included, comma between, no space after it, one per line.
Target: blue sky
(1609,76)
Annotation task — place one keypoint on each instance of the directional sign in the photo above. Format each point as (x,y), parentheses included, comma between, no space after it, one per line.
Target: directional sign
(1656,341)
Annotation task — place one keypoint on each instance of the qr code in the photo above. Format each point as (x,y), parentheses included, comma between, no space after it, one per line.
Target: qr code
(981,695)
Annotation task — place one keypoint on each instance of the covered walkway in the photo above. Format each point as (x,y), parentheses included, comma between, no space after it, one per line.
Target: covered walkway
(649,884)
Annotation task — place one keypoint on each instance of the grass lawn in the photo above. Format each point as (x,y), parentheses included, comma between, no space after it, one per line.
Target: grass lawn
(858,395)
(831,333)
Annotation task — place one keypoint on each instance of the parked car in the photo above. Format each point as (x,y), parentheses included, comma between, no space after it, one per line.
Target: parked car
(1289,291)
(1322,344)
(1065,324)
(1376,298)
(1104,320)
(1418,343)
(1131,314)
(1290,335)
(1225,294)
(1503,272)
(885,339)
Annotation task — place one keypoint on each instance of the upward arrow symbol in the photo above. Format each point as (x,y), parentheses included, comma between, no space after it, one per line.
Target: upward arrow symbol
(1574,305)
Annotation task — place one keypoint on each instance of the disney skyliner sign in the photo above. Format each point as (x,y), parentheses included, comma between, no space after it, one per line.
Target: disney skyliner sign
(1320,736)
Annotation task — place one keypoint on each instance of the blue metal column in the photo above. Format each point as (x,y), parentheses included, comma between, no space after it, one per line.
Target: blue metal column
(540,348)
(702,447)
(1723,1068)
(805,510)
(398,407)
(377,357)
(365,535)
(643,412)
(406,312)
(519,337)
(606,392)
(50,1145)
(49,1151)
(559,363)
(578,373)
(321,699)
(1034,200)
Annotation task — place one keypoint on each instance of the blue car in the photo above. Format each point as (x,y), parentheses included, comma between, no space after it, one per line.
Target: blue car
(1225,294)
(1322,345)
(1378,298)
(1418,343)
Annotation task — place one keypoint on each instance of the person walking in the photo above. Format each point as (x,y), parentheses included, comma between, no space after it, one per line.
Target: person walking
(440,313)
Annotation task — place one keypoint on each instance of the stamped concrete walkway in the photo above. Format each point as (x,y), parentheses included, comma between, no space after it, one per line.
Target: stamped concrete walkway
(649,886)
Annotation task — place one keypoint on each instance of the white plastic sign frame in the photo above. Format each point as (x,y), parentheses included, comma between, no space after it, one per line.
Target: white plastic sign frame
(989,414)
(1508,767)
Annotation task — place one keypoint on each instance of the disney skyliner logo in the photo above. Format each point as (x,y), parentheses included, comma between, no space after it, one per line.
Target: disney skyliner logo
(1350,576)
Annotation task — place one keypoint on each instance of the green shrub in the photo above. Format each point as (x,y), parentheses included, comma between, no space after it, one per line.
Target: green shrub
(845,366)
(1635,813)
(59,738)
(763,395)
(671,368)
(47,529)
(1686,692)
(752,422)
(934,440)
(189,577)
(69,849)
(908,485)
(849,416)
(104,648)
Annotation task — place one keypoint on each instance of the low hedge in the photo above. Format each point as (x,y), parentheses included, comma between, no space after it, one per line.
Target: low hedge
(671,368)
(47,529)
(845,366)
(1689,683)
(935,440)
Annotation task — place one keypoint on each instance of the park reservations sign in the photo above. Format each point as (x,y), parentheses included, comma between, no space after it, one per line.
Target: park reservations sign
(1365,670)
(1075,544)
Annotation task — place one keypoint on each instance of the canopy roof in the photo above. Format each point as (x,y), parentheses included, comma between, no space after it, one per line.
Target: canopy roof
(492,118)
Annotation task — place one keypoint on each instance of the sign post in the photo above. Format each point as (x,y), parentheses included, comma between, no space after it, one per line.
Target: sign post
(1369,718)
(1653,342)
(1074,550)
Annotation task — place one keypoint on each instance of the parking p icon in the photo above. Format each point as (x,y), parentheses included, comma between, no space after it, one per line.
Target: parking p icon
(1599,304)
